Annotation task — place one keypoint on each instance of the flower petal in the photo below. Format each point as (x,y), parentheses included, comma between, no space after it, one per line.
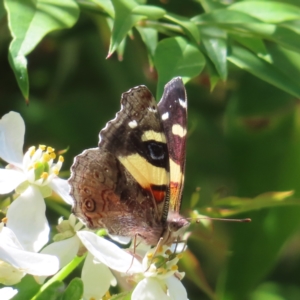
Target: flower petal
(8,237)
(109,254)
(90,275)
(26,217)
(12,130)
(30,262)
(9,180)
(61,187)
(7,293)
(176,289)
(9,275)
(149,289)
(124,240)
(65,250)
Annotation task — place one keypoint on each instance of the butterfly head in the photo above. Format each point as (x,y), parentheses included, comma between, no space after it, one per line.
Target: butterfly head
(175,228)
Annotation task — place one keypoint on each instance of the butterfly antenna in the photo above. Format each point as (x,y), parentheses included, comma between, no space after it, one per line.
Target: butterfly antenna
(246,220)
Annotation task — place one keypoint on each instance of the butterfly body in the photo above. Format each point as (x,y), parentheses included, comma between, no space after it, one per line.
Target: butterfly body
(126,184)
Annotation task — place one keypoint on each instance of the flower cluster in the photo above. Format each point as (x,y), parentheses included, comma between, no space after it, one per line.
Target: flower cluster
(33,176)
(24,232)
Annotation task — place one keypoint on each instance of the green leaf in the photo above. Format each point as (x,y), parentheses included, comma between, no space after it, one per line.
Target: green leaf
(268,11)
(209,5)
(74,291)
(27,288)
(151,12)
(52,292)
(29,21)
(106,5)
(150,38)
(176,57)
(285,60)
(216,49)
(292,25)
(124,21)
(235,205)
(224,16)
(245,25)
(127,14)
(263,70)
(188,26)
(255,45)
(214,77)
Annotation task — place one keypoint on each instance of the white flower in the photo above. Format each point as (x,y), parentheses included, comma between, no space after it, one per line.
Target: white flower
(33,176)
(157,275)
(7,293)
(15,262)
(66,247)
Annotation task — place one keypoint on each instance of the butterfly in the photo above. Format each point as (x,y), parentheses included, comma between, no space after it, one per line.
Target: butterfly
(132,183)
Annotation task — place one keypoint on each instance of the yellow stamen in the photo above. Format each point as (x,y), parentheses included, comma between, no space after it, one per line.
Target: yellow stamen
(105,297)
(31,150)
(149,255)
(42,147)
(61,158)
(55,170)
(174,268)
(180,255)
(36,165)
(44,175)
(50,149)
(46,157)
(52,155)
(161,270)
(4,220)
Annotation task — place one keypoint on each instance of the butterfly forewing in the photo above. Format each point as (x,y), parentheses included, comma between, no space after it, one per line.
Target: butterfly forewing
(173,110)
(136,138)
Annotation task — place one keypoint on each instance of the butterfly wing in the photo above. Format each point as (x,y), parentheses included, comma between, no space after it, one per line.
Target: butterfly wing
(126,184)
(106,196)
(173,110)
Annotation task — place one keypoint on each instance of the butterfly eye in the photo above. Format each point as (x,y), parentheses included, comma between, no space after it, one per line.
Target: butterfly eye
(89,205)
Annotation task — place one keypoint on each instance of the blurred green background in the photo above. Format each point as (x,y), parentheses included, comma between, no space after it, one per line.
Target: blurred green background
(244,140)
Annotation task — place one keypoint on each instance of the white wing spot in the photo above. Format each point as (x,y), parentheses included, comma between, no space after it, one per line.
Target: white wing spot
(132,124)
(165,116)
(178,130)
(182,103)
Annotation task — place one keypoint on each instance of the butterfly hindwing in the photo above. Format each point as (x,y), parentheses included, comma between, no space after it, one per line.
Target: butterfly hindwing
(106,196)
(173,110)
